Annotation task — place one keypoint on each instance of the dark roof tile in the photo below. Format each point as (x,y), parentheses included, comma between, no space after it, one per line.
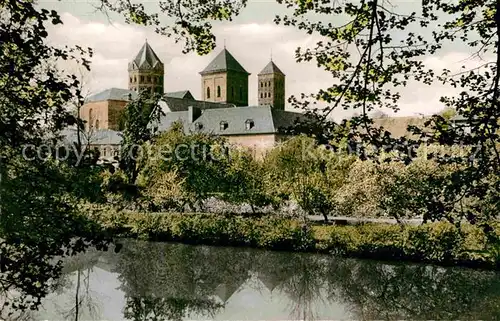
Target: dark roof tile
(112,94)
(184,94)
(224,61)
(271,68)
(146,59)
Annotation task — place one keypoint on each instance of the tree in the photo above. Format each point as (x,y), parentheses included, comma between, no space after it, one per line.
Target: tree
(369,63)
(308,173)
(448,113)
(136,128)
(199,160)
(40,217)
(244,181)
(188,20)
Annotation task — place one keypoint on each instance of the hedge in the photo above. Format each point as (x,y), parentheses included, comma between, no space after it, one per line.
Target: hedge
(439,243)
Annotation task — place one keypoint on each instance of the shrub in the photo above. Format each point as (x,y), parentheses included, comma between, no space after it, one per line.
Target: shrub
(440,242)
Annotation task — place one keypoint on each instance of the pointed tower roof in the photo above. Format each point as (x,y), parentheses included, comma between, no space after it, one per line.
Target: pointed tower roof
(271,68)
(146,58)
(224,61)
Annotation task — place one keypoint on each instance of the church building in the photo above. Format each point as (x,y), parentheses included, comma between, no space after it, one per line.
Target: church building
(222,110)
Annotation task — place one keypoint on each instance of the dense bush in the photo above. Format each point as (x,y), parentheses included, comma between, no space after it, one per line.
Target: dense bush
(440,242)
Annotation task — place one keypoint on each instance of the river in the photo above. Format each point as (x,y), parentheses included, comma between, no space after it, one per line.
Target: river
(162,281)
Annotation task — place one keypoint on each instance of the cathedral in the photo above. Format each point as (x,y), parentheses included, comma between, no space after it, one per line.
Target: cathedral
(222,110)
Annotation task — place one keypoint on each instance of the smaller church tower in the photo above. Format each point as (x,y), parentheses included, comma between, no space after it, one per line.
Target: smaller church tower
(146,71)
(271,86)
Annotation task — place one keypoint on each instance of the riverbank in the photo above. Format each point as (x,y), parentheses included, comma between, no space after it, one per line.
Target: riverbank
(437,243)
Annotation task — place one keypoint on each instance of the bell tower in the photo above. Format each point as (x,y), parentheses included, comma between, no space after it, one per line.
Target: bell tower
(271,86)
(224,80)
(146,71)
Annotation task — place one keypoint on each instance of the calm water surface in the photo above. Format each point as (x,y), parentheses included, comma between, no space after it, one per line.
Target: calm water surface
(160,281)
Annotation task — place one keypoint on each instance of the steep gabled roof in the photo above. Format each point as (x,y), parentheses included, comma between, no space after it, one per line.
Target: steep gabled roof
(112,94)
(224,61)
(146,59)
(271,68)
(183,94)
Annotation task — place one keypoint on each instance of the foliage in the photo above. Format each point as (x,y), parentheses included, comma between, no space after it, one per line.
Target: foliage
(440,242)
(244,178)
(40,217)
(166,191)
(188,21)
(308,173)
(199,160)
(135,122)
(448,113)
(369,81)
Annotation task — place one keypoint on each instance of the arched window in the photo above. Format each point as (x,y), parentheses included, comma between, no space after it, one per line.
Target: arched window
(142,78)
(218,91)
(208,92)
(135,79)
(265,84)
(269,83)
(261,84)
(249,124)
(261,95)
(97,124)
(130,79)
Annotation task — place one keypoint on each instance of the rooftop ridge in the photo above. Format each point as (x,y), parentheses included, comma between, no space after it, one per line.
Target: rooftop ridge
(146,58)
(271,68)
(224,61)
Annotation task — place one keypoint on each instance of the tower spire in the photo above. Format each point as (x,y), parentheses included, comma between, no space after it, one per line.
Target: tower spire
(224,43)
(271,54)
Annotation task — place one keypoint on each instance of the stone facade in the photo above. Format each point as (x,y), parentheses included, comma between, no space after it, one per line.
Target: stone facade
(225,87)
(259,144)
(150,80)
(271,90)
(103,114)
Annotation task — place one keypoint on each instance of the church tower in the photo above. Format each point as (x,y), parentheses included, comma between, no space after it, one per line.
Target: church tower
(271,86)
(224,80)
(146,71)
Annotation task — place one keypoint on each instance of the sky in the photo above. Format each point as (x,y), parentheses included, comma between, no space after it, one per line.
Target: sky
(251,38)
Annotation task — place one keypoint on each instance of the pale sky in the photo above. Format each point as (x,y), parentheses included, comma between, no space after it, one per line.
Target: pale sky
(250,37)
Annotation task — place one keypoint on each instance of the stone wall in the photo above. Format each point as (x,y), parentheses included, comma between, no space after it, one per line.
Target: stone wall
(271,90)
(105,114)
(95,114)
(230,84)
(258,144)
(209,85)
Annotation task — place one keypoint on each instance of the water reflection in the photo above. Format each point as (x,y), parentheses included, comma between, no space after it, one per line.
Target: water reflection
(157,281)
